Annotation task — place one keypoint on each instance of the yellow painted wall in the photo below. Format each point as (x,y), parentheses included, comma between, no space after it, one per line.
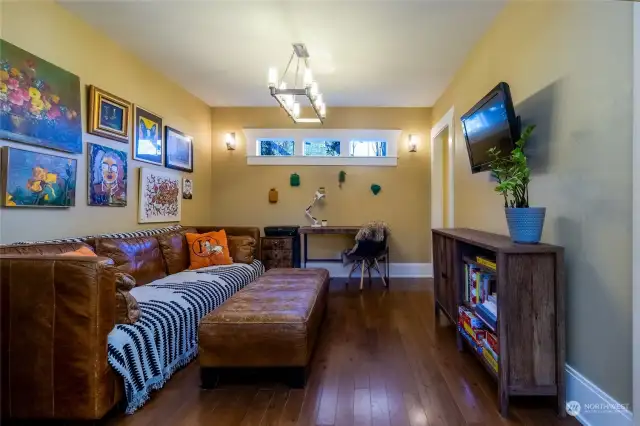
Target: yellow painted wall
(239,192)
(49,31)
(569,65)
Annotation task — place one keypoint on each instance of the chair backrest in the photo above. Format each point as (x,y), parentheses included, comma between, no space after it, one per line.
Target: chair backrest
(370,248)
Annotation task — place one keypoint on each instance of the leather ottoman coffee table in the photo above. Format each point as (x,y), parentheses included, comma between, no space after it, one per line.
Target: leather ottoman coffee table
(270,326)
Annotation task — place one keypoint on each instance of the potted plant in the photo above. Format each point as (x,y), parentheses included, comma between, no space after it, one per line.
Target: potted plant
(513,176)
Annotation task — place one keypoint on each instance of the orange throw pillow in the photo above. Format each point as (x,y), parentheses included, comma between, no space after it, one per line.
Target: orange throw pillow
(82,251)
(208,249)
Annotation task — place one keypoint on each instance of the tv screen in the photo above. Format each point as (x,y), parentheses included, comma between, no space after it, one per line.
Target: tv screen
(490,123)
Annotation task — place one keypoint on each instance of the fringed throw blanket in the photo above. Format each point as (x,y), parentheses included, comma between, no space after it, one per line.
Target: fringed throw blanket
(165,337)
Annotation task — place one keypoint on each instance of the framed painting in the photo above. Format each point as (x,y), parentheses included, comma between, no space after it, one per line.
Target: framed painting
(147,140)
(39,102)
(160,196)
(33,179)
(107,176)
(178,150)
(187,189)
(109,115)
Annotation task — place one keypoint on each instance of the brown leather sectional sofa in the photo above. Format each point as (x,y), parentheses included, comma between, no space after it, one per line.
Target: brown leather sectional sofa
(56,313)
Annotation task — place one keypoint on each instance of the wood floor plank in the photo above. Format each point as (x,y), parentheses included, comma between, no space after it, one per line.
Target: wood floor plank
(382,358)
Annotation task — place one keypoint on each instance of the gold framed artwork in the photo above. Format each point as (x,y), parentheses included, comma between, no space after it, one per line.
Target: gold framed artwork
(109,115)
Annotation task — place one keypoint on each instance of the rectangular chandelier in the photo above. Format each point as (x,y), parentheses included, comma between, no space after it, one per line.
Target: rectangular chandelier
(289,98)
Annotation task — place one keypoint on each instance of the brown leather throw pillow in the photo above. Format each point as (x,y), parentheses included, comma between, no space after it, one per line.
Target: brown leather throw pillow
(242,249)
(127,309)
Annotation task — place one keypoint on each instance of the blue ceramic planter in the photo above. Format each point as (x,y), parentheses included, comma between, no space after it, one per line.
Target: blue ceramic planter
(525,224)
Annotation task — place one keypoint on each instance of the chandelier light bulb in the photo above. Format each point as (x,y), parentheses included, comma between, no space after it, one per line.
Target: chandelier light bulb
(314,89)
(323,110)
(318,100)
(273,77)
(296,109)
(283,85)
(289,101)
(308,77)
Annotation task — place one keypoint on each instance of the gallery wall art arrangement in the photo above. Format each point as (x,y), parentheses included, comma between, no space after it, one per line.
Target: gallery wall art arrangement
(107,176)
(33,179)
(160,196)
(40,106)
(39,102)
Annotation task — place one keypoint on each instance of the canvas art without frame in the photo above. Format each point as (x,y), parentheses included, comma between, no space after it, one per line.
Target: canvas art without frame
(107,176)
(33,179)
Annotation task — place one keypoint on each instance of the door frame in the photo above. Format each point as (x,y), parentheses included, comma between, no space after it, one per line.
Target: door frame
(635,281)
(437,184)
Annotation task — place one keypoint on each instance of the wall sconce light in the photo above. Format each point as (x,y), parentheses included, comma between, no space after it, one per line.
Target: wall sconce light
(230,140)
(413,143)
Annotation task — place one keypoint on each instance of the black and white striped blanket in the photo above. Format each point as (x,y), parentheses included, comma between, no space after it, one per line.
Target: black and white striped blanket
(165,337)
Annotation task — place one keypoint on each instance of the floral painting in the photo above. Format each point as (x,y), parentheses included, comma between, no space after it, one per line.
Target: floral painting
(107,183)
(160,196)
(39,102)
(33,179)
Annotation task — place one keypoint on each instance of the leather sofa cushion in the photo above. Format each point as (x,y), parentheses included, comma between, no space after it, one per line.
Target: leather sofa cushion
(141,257)
(242,249)
(127,309)
(175,250)
(46,249)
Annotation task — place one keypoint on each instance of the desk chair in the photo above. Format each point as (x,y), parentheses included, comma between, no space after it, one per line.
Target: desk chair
(365,255)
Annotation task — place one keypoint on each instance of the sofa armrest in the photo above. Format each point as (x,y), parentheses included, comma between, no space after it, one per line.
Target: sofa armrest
(56,313)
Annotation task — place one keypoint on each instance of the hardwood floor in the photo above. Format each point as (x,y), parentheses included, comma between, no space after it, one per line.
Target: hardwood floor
(381,360)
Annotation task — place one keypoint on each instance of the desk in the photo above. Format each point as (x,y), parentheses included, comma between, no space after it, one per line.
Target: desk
(304,231)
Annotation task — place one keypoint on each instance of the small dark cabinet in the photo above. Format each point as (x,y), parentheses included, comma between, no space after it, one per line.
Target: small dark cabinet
(530,325)
(277,252)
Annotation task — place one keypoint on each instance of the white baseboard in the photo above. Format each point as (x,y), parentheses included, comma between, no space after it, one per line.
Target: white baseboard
(597,408)
(396,270)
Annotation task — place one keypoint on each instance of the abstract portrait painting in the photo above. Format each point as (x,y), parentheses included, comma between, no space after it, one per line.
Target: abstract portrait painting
(160,196)
(109,115)
(33,179)
(147,141)
(39,102)
(107,176)
(178,150)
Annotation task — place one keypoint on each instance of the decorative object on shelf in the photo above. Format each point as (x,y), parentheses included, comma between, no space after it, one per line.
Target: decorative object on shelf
(147,140)
(40,102)
(342,177)
(230,140)
(107,176)
(33,179)
(160,195)
(413,143)
(294,179)
(375,188)
(324,222)
(109,115)
(273,196)
(513,176)
(319,195)
(187,189)
(178,150)
(310,91)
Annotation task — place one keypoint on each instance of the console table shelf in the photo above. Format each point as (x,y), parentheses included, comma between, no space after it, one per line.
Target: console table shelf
(531,316)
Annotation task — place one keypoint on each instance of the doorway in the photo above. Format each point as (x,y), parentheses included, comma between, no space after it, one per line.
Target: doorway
(442,160)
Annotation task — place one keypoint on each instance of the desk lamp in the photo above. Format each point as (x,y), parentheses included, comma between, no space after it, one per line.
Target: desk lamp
(319,195)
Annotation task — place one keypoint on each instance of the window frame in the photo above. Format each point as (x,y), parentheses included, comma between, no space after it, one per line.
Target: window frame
(345,136)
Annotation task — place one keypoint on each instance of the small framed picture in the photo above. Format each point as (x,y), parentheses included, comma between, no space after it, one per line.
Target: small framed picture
(147,140)
(178,150)
(187,189)
(109,115)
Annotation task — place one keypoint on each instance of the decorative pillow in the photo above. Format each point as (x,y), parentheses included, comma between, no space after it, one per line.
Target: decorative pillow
(242,249)
(175,250)
(127,309)
(82,251)
(208,249)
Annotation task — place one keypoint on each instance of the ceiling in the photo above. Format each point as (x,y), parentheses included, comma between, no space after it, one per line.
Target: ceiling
(363,52)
